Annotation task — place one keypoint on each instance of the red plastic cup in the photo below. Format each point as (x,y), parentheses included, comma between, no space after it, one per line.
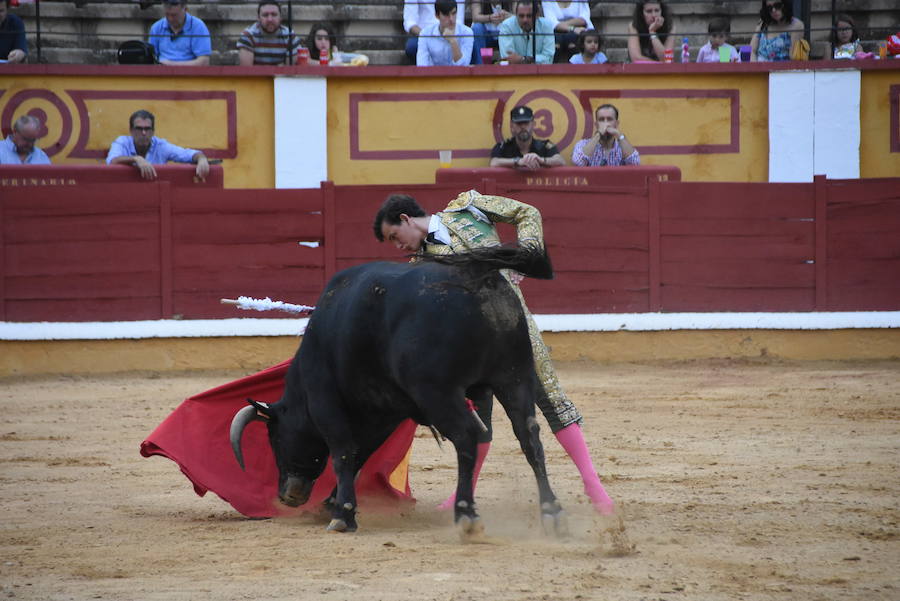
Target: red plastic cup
(487,56)
(303,56)
(323,57)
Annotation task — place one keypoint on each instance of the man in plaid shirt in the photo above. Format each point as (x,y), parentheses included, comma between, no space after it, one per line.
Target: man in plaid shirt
(608,145)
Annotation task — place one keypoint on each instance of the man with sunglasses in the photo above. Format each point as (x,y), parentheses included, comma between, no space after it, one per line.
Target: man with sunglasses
(19,148)
(179,38)
(143,150)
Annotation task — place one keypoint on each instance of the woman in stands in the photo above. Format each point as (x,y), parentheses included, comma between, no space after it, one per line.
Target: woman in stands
(322,39)
(778,31)
(651,33)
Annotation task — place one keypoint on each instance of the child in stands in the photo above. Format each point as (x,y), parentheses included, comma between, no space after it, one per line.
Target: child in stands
(588,45)
(717,49)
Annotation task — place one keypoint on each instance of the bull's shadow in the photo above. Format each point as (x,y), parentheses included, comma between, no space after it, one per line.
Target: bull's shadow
(391,341)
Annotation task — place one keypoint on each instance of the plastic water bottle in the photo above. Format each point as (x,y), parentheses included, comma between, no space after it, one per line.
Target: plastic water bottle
(685,51)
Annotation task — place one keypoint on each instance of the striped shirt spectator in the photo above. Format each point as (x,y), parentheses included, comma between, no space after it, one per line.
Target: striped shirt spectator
(267,42)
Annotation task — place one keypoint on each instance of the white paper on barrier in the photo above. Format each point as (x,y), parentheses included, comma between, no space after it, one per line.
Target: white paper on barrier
(791,126)
(301,132)
(837,126)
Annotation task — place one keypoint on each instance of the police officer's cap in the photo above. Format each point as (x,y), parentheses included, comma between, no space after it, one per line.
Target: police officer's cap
(520,114)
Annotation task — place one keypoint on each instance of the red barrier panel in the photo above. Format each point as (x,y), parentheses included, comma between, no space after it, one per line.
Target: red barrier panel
(737,247)
(149,250)
(558,177)
(34,176)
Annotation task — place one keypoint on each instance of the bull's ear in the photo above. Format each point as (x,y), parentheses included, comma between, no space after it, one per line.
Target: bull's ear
(262,409)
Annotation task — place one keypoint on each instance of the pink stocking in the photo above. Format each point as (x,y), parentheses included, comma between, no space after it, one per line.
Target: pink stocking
(483,448)
(572,440)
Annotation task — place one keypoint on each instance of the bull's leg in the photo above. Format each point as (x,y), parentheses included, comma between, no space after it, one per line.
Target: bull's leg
(343,513)
(342,501)
(519,406)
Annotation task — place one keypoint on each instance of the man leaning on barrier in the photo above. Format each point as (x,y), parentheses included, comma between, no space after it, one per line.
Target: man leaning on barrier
(143,150)
(19,148)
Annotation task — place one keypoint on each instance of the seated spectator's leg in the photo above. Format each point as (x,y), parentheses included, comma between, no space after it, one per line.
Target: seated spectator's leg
(565,47)
(478,32)
(412,48)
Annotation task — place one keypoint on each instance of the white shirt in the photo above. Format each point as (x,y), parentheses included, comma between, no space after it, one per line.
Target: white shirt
(422,14)
(554,13)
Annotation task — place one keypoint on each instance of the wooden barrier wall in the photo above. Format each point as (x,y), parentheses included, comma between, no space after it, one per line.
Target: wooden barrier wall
(152,250)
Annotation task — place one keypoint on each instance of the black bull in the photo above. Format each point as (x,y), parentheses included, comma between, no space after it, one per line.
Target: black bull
(391,341)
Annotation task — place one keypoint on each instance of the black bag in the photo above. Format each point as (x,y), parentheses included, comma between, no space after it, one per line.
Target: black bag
(136,52)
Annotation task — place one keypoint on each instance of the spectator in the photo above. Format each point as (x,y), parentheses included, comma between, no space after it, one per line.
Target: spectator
(568,19)
(417,15)
(776,33)
(608,145)
(180,38)
(486,19)
(845,38)
(19,148)
(651,33)
(143,150)
(322,38)
(446,42)
(588,46)
(13,47)
(523,42)
(522,150)
(267,42)
(717,46)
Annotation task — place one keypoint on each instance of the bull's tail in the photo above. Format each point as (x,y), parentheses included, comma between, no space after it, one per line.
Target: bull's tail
(530,260)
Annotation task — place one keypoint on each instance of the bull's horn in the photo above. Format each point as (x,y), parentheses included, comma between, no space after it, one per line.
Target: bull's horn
(241,419)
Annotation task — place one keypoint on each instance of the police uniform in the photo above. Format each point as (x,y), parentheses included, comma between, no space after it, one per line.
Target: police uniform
(509,148)
(467,223)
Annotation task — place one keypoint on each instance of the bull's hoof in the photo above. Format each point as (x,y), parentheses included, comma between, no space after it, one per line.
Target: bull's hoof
(338,525)
(471,529)
(555,524)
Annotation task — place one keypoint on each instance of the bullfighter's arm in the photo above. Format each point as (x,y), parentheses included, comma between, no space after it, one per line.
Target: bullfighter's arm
(526,218)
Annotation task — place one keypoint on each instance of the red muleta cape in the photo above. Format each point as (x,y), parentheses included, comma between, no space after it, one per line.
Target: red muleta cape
(196,437)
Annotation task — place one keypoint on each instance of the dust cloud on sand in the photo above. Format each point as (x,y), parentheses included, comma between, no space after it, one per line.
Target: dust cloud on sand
(734,480)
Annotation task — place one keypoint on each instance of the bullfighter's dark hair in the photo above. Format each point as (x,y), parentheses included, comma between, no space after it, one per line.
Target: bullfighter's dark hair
(141,114)
(719,25)
(584,35)
(264,3)
(787,13)
(444,7)
(394,206)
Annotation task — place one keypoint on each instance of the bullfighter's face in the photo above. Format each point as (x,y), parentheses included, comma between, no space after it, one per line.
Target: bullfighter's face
(406,235)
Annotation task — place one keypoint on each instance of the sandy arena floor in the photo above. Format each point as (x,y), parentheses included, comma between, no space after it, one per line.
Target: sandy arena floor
(734,481)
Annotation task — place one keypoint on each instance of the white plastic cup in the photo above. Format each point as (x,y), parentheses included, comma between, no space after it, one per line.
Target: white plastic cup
(446,157)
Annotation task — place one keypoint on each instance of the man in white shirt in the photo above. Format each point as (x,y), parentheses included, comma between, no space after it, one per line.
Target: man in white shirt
(417,15)
(445,42)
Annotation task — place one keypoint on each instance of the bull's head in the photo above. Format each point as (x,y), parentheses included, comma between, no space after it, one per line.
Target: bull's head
(300,453)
